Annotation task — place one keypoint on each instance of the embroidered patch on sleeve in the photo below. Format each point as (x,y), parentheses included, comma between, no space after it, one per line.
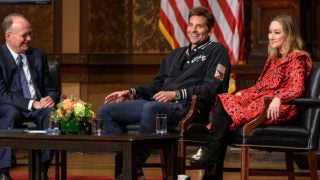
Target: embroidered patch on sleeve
(220,72)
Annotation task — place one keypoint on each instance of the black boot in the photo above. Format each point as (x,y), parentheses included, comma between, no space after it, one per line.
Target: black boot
(213,171)
(210,172)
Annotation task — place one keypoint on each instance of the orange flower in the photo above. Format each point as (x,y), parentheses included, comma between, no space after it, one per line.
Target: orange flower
(59,112)
(67,104)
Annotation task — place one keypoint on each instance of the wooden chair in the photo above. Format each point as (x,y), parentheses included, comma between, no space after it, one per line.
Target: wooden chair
(300,136)
(189,126)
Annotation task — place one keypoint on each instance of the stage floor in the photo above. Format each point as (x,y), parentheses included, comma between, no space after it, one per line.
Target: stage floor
(102,164)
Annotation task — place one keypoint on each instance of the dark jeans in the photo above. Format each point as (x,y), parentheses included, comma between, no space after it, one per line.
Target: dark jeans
(140,111)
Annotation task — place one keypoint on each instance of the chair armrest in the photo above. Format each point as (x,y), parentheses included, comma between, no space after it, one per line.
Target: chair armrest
(186,121)
(315,103)
(247,128)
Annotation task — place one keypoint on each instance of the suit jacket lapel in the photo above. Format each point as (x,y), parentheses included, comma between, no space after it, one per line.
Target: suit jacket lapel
(33,74)
(9,59)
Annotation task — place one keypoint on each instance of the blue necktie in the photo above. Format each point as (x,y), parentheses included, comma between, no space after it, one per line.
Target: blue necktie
(23,79)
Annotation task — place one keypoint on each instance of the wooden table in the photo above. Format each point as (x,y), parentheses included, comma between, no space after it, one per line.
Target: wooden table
(128,144)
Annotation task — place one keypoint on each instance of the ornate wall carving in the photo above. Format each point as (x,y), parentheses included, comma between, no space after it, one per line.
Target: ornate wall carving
(123,26)
(147,36)
(105,26)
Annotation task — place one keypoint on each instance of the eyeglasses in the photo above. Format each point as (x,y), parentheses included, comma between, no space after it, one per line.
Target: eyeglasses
(25,35)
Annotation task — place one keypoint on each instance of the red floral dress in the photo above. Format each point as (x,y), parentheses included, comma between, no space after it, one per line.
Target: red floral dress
(280,78)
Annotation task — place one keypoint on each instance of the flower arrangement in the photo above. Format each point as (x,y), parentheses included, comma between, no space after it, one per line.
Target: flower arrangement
(71,112)
(72,109)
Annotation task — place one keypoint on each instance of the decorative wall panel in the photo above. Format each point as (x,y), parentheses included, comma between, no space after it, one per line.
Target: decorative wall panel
(121,26)
(105,26)
(147,36)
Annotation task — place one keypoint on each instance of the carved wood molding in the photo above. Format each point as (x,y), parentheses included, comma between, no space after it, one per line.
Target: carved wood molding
(106,59)
(262,13)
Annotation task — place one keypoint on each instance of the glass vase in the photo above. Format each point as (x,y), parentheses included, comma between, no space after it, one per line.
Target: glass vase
(69,127)
(84,128)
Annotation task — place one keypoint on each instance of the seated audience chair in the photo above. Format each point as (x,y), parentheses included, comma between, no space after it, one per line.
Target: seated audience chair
(60,156)
(54,71)
(186,130)
(300,136)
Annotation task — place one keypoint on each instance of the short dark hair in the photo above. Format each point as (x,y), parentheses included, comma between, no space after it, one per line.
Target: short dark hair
(202,11)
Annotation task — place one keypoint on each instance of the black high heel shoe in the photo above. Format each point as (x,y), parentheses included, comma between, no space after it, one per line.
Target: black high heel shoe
(204,159)
(201,159)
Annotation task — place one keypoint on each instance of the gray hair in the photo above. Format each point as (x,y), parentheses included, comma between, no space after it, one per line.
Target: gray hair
(8,21)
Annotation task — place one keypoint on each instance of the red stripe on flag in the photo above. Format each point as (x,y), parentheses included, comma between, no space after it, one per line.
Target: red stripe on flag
(228,15)
(205,3)
(240,31)
(221,39)
(189,3)
(169,27)
(179,18)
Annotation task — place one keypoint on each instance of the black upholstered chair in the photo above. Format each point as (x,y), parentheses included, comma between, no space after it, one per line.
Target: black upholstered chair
(60,156)
(54,71)
(300,136)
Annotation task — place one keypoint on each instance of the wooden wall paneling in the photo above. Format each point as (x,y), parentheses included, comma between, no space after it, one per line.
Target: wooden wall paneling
(147,37)
(105,26)
(310,26)
(84,24)
(247,29)
(57,29)
(315,25)
(262,13)
(246,75)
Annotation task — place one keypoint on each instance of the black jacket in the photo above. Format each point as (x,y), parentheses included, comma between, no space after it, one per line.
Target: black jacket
(192,72)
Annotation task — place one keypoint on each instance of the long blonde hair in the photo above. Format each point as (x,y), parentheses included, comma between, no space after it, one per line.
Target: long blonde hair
(294,41)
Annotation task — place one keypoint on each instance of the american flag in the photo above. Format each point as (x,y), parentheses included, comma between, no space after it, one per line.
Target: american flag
(228,26)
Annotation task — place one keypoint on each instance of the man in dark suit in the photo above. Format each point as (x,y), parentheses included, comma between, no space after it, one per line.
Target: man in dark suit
(26,91)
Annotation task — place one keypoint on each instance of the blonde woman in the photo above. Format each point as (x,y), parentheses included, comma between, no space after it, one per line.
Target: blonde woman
(283,77)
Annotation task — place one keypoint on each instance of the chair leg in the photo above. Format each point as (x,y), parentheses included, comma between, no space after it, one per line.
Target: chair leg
(181,157)
(312,159)
(244,163)
(289,165)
